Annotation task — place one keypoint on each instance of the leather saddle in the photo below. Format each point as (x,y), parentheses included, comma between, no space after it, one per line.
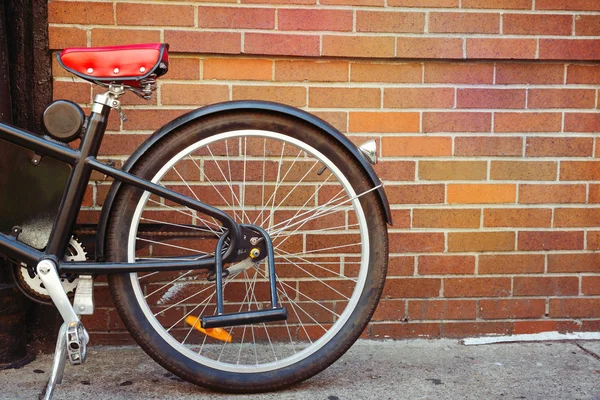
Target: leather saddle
(131,65)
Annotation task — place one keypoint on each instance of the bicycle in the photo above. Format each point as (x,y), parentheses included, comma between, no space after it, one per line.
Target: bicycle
(245,243)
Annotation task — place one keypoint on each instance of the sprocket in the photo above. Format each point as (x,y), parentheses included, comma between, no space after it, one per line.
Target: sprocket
(31,284)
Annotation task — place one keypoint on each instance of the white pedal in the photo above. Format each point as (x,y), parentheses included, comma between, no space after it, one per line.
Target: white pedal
(76,343)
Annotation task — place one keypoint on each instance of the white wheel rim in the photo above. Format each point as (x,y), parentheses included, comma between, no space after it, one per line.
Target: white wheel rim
(315,346)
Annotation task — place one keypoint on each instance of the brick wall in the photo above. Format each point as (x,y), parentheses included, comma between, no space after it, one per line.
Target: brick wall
(485,112)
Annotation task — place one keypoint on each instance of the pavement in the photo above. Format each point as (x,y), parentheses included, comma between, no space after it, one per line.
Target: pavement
(409,369)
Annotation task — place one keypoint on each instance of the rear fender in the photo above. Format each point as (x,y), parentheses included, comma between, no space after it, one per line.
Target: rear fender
(227,107)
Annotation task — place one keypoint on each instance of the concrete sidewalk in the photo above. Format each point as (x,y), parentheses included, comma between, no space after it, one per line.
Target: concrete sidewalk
(415,369)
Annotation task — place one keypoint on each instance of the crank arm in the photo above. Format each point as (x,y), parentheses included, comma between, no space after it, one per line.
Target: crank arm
(47,272)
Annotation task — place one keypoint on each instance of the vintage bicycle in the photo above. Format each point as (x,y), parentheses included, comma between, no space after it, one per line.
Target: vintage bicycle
(245,243)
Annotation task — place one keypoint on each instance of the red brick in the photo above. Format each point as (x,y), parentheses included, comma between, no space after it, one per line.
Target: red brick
(590,285)
(203,42)
(524,170)
(490,98)
(154,14)
(416,242)
(390,122)
(338,119)
(389,310)
(561,98)
(452,170)
(423,3)
(546,286)
(528,73)
(476,287)
(583,74)
(149,119)
(512,308)
(238,69)
(481,241)
(481,193)
(79,92)
(446,265)
(417,146)
(292,95)
(183,68)
(415,194)
(575,308)
(456,122)
(458,73)
(388,72)
(405,330)
(499,4)
(580,262)
(401,288)
(401,265)
(575,5)
(409,47)
(537,24)
(576,217)
(580,171)
(527,122)
(528,327)
(375,3)
(501,48)
(184,94)
(344,97)
(582,122)
(587,25)
(550,240)
(453,22)
(488,146)
(594,194)
(389,21)
(113,37)
(355,46)
(236,18)
(119,144)
(314,20)
(441,309)
(445,218)
(281,44)
(511,264)
(517,217)
(396,171)
(80,12)
(311,71)
(559,147)
(568,49)
(593,240)
(470,329)
(418,98)
(551,194)
(62,37)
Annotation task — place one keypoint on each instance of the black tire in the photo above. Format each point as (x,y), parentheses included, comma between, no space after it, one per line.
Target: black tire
(135,304)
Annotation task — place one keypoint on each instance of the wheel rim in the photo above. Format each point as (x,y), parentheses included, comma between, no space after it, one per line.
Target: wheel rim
(310,330)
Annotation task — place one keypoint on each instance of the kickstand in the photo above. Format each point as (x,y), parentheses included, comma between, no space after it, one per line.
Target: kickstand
(58,364)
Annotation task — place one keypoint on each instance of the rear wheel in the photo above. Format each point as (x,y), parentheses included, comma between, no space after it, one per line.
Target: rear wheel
(327,228)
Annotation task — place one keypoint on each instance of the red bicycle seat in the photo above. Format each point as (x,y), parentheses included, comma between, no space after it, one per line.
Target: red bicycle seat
(124,64)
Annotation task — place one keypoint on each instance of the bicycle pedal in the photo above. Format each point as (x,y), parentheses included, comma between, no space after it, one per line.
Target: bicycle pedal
(77,339)
(244,318)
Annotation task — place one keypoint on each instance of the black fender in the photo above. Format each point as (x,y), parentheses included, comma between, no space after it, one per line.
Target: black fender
(225,107)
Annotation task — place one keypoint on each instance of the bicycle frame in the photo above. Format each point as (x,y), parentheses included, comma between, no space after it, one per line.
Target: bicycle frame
(83,161)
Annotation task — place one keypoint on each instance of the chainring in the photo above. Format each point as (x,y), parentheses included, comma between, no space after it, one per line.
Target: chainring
(31,284)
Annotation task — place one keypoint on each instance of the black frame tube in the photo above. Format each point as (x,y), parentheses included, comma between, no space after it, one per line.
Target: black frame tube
(83,161)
